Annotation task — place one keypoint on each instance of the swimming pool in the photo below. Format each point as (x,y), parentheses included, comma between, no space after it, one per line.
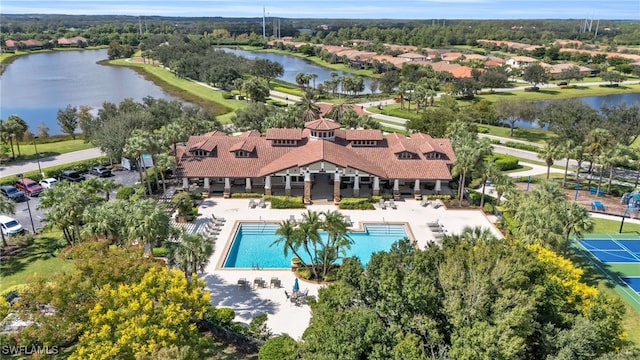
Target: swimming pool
(251,246)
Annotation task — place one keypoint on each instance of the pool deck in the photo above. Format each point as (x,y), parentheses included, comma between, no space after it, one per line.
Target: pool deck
(284,317)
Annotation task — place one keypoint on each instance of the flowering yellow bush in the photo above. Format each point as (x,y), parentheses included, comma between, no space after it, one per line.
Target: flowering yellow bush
(562,271)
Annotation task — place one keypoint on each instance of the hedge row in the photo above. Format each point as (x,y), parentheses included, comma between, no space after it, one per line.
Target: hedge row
(522,146)
(242,195)
(504,162)
(376,199)
(54,171)
(356,204)
(285,202)
(439,197)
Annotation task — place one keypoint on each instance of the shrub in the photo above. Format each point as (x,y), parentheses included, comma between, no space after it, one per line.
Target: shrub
(356,204)
(504,162)
(532,89)
(488,207)
(125,193)
(221,316)
(285,202)
(281,347)
(246,195)
(522,146)
(439,197)
(160,251)
(304,273)
(376,199)
(227,95)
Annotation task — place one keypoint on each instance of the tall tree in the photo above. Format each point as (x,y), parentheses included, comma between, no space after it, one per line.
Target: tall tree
(190,254)
(68,120)
(307,105)
(148,223)
(549,153)
(513,111)
(17,128)
(535,74)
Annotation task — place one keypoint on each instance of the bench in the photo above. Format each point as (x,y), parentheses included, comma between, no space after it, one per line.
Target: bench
(594,191)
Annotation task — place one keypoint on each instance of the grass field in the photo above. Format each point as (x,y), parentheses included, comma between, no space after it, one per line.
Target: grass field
(520,133)
(605,226)
(28,150)
(554,93)
(38,258)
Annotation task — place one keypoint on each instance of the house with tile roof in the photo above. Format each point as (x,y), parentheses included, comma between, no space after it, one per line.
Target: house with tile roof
(321,161)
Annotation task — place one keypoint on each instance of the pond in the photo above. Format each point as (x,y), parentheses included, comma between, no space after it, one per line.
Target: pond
(293,65)
(36,86)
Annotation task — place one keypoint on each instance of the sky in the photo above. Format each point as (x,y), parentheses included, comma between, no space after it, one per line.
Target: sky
(349,9)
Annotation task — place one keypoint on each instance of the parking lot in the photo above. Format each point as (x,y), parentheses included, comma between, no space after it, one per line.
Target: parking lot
(124,177)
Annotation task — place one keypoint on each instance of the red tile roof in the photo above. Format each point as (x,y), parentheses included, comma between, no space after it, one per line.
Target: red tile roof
(268,159)
(284,134)
(322,124)
(363,134)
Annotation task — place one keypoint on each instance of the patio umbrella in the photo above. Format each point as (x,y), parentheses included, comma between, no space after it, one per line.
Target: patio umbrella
(296,286)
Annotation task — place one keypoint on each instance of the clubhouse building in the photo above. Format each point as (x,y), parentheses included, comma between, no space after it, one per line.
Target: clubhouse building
(320,161)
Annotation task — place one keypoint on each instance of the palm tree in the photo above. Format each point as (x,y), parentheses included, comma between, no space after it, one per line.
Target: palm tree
(548,153)
(289,238)
(566,150)
(147,223)
(337,111)
(173,133)
(597,141)
(309,231)
(138,144)
(577,220)
(502,183)
(164,161)
(18,127)
(477,235)
(191,254)
(487,170)
(66,204)
(337,239)
(8,207)
(308,108)
(108,221)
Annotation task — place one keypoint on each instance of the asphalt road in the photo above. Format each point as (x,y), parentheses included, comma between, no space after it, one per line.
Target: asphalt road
(123,177)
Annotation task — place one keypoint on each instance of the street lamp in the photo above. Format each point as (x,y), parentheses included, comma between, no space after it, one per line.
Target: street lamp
(28,208)
(37,155)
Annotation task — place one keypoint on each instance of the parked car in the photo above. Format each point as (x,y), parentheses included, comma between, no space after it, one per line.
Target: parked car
(29,187)
(71,175)
(12,193)
(48,183)
(100,171)
(10,226)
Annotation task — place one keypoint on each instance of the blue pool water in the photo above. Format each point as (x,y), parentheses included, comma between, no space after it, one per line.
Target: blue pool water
(252,248)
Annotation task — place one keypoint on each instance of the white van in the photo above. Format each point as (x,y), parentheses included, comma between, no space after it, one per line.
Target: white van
(10,226)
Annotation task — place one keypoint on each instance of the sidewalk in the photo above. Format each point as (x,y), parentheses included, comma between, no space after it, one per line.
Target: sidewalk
(46,162)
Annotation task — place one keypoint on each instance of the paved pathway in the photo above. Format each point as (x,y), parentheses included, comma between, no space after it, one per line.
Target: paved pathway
(49,161)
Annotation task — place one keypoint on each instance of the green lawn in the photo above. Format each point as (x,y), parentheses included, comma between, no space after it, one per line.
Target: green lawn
(553,92)
(28,150)
(520,133)
(38,258)
(605,226)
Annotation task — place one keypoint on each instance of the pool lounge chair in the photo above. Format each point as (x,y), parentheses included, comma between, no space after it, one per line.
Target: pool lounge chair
(252,204)
(392,204)
(347,220)
(424,202)
(261,203)
(275,282)
(382,205)
(292,218)
(258,282)
(242,283)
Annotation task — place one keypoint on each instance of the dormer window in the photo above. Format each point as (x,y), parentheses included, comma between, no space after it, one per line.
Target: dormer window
(433,155)
(199,152)
(405,155)
(364,143)
(285,142)
(242,154)
(322,134)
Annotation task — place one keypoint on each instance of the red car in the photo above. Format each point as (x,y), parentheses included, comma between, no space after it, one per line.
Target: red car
(29,187)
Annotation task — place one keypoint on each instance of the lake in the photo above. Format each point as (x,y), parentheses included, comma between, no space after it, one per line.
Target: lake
(36,86)
(293,65)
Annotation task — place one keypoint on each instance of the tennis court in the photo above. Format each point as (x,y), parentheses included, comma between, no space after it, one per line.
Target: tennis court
(619,253)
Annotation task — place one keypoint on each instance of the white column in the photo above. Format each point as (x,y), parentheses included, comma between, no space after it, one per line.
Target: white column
(287,182)
(227,183)
(247,185)
(356,182)
(438,187)
(185,183)
(307,176)
(267,182)
(396,185)
(416,187)
(206,184)
(376,183)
